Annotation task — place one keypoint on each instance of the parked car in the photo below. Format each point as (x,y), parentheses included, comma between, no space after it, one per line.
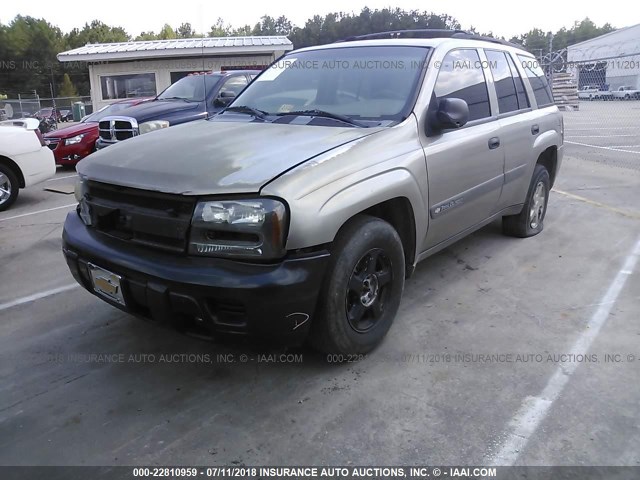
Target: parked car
(66,116)
(72,144)
(299,210)
(590,92)
(3,114)
(24,158)
(626,93)
(193,97)
(49,112)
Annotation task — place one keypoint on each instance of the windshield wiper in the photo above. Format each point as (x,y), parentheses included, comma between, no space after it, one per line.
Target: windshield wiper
(248,110)
(176,98)
(324,114)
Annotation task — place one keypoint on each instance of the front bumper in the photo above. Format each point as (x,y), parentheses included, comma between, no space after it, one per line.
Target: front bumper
(268,301)
(72,154)
(101,143)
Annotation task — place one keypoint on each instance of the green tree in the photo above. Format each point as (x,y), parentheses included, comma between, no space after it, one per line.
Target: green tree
(166,32)
(30,46)
(220,29)
(243,31)
(67,89)
(146,36)
(185,31)
(272,26)
(335,26)
(95,32)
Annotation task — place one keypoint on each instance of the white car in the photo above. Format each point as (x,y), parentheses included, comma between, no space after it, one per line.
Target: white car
(25,158)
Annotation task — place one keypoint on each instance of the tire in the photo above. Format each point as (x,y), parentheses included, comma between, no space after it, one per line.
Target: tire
(362,288)
(530,221)
(9,186)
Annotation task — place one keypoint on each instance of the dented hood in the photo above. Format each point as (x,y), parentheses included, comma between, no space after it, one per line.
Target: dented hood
(212,157)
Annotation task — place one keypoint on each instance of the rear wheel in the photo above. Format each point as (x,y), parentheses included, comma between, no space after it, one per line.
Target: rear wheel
(8,187)
(530,220)
(362,289)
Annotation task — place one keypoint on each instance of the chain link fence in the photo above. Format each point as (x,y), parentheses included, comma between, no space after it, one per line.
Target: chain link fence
(599,90)
(30,104)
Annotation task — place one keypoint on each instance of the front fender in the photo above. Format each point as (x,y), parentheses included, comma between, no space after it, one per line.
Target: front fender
(326,191)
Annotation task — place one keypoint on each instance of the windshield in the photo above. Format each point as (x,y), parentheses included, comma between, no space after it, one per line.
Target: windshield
(372,83)
(190,88)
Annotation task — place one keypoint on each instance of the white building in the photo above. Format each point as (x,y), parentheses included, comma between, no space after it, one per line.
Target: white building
(611,59)
(145,68)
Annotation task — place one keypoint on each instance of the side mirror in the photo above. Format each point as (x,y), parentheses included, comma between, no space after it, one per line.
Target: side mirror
(224,99)
(450,113)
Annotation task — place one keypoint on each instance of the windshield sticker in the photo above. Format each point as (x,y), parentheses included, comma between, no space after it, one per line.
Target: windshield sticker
(276,69)
(286,108)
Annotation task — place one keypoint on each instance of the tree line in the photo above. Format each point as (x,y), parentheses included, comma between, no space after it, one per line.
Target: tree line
(28,45)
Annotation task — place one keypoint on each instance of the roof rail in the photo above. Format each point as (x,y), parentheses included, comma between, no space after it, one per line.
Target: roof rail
(427,33)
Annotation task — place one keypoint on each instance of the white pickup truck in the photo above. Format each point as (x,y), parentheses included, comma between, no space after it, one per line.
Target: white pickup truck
(626,93)
(591,92)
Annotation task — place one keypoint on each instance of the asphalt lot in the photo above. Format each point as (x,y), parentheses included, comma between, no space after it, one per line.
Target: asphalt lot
(606,132)
(561,301)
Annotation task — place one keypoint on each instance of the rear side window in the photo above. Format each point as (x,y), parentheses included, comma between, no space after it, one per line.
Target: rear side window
(461,76)
(538,81)
(503,81)
(523,100)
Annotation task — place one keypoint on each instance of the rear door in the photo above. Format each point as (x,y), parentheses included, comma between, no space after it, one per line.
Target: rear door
(518,125)
(465,165)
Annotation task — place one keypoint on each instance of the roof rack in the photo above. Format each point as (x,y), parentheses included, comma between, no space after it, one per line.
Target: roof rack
(427,33)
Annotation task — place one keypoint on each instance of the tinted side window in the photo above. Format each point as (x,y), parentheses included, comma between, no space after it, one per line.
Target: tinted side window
(234,85)
(503,81)
(461,76)
(523,100)
(538,81)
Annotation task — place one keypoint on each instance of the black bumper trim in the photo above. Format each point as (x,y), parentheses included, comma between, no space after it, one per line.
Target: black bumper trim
(274,301)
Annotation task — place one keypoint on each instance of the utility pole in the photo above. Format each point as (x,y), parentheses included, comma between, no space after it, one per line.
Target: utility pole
(53,98)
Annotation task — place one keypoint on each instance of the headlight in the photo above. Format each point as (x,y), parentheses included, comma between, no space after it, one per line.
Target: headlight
(239,228)
(147,127)
(74,140)
(83,208)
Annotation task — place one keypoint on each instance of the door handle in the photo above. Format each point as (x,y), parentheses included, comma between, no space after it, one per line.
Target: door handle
(494,142)
(535,129)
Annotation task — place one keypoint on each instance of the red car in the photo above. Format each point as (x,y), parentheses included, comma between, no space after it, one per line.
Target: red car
(72,144)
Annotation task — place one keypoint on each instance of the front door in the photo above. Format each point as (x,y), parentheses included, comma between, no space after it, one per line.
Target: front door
(466,165)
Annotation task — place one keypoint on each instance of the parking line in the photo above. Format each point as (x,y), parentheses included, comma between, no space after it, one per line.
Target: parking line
(602,136)
(599,146)
(534,409)
(619,211)
(600,128)
(37,296)
(61,178)
(39,211)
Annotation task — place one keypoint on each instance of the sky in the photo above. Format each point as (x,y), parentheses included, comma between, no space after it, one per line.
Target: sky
(503,18)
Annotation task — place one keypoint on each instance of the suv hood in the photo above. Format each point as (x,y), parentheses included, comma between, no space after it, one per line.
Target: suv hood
(156,109)
(214,157)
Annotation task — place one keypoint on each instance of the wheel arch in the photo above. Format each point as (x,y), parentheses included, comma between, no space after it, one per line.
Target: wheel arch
(549,159)
(14,167)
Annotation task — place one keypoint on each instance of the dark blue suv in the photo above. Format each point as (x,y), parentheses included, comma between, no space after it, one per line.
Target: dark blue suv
(193,97)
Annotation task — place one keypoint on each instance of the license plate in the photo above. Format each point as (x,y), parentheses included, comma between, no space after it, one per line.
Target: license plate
(106,283)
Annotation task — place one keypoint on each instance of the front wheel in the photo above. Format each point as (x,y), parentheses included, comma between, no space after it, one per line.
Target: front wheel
(8,187)
(529,222)
(362,289)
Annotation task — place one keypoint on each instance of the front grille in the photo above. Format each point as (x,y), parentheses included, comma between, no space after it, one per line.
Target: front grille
(52,143)
(142,217)
(117,129)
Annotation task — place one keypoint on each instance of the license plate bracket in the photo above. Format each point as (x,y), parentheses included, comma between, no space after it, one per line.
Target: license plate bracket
(106,283)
